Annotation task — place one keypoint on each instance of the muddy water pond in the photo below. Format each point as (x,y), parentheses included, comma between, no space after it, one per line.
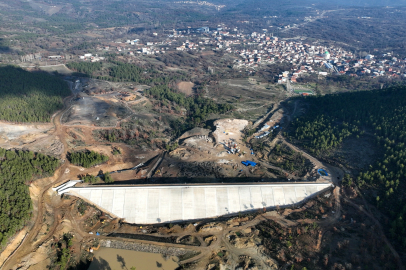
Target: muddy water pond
(116,259)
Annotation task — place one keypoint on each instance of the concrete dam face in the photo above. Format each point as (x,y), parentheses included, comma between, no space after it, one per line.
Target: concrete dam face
(162,204)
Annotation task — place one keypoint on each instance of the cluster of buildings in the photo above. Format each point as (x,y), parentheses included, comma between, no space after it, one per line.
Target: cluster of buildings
(271,50)
(91,58)
(188,45)
(252,51)
(202,3)
(30,57)
(307,58)
(257,49)
(134,47)
(387,66)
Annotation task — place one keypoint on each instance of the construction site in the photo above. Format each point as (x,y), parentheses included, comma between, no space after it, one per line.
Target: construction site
(212,201)
(163,204)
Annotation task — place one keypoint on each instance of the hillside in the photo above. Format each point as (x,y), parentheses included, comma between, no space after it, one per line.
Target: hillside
(332,119)
(17,169)
(29,96)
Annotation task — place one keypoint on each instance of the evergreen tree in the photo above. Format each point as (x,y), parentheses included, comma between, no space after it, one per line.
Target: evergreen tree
(30,96)
(87,159)
(382,113)
(17,170)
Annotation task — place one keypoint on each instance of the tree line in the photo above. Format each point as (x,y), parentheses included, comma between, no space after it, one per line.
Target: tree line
(382,113)
(125,72)
(87,159)
(17,170)
(86,68)
(30,96)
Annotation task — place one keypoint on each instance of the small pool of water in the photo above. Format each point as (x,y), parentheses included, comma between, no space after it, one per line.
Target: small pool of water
(116,259)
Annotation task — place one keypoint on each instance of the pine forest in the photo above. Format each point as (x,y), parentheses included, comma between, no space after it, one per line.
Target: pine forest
(330,119)
(30,96)
(17,170)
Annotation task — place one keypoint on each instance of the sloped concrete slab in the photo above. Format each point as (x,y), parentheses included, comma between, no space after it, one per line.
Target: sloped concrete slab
(159,204)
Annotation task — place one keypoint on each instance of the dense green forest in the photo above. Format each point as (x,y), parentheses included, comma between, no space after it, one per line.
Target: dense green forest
(380,113)
(87,68)
(198,108)
(29,96)
(17,169)
(87,159)
(125,72)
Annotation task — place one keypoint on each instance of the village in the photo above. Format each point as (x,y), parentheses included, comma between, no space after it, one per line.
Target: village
(251,51)
(176,134)
(260,49)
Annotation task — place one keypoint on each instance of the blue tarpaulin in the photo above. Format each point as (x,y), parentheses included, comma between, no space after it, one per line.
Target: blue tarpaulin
(322,172)
(249,163)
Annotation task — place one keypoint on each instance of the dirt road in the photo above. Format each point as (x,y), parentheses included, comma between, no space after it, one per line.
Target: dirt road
(42,199)
(29,243)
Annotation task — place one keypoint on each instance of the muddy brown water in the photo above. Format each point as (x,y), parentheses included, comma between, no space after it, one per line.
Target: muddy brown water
(116,259)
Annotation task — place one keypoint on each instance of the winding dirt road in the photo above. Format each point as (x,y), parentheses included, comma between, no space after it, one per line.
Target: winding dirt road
(29,241)
(33,239)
